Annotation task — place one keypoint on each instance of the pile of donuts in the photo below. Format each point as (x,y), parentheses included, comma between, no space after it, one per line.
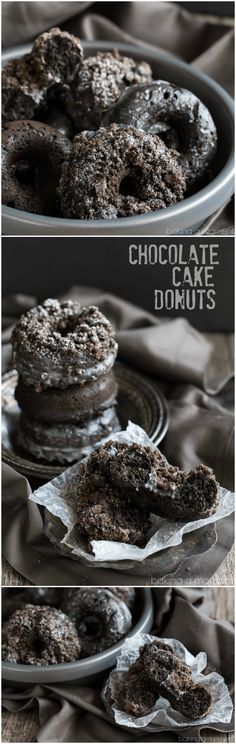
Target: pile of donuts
(64,354)
(54,626)
(97,137)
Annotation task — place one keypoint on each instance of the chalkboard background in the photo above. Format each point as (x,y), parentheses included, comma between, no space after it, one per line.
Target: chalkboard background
(45,267)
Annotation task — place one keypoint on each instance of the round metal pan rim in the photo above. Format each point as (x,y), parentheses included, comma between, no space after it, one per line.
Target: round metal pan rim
(89,666)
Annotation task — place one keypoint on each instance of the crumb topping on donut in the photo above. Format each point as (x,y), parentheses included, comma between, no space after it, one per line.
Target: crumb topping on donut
(56,56)
(118,172)
(99,82)
(66,327)
(37,634)
(158,672)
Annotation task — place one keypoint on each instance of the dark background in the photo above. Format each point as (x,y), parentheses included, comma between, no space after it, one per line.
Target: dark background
(220,8)
(44,267)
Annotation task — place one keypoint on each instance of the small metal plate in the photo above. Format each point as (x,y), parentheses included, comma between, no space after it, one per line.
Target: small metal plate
(138,401)
(165,563)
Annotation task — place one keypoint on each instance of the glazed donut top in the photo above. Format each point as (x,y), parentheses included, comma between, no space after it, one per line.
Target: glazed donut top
(100,617)
(174,113)
(66,329)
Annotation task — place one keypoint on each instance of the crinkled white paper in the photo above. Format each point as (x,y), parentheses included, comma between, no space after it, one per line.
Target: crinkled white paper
(163,714)
(59,496)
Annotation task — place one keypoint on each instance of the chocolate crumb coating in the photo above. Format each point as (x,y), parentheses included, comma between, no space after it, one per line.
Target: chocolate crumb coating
(99,82)
(109,519)
(22,92)
(177,116)
(40,635)
(57,344)
(104,515)
(135,696)
(66,442)
(27,81)
(101,619)
(76,403)
(42,151)
(143,475)
(158,672)
(56,56)
(119,172)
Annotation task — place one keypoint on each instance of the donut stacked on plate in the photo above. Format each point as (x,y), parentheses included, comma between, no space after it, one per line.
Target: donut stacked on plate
(64,354)
(54,626)
(111,141)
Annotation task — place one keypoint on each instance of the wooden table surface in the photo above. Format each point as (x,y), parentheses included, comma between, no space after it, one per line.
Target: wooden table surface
(24,726)
(223,577)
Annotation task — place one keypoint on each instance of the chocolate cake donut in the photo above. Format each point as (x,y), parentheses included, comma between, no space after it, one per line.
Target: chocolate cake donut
(103,514)
(40,635)
(56,56)
(99,82)
(65,442)
(75,403)
(158,672)
(176,115)
(42,150)
(101,619)
(109,519)
(142,475)
(173,680)
(22,94)
(26,81)
(119,172)
(60,344)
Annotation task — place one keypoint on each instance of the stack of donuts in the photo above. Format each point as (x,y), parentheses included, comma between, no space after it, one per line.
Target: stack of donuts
(54,626)
(97,137)
(64,354)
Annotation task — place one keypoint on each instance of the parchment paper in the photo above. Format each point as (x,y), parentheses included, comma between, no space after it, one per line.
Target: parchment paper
(163,714)
(59,497)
